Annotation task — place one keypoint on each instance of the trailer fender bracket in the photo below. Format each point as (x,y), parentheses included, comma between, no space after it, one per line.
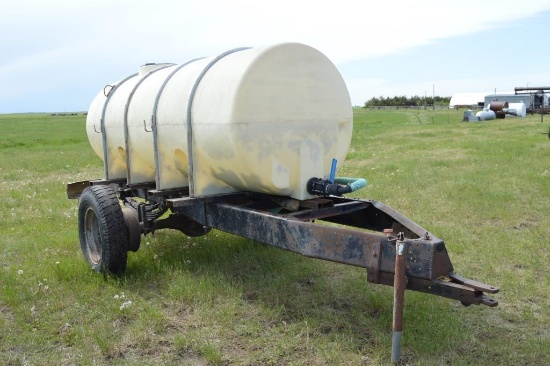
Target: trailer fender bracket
(373,262)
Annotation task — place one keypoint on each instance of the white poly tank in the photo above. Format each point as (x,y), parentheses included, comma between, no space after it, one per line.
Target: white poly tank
(519,109)
(263,120)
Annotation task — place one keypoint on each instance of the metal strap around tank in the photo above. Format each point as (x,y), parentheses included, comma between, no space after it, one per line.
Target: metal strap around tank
(189,109)
(126,108)
(102,121)
(154,118)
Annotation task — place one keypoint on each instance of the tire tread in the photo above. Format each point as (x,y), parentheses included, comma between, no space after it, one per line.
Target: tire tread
(114,241)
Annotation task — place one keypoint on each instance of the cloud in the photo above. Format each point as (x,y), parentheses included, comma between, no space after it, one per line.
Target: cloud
(74,44)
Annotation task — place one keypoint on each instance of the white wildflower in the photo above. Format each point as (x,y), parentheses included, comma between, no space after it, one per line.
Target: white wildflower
(116,297)
(20,272)
(66,327)
(126,305)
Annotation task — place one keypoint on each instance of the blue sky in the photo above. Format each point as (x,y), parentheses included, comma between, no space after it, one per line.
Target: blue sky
(57,55)
(515,54)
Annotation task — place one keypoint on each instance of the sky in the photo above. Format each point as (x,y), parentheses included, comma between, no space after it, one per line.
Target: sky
(56,55)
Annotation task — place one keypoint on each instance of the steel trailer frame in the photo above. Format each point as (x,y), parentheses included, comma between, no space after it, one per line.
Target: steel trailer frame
(350,231)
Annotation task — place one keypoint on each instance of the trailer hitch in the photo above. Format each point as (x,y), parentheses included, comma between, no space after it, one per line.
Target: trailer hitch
(445,286)
(477,297)
(450,284)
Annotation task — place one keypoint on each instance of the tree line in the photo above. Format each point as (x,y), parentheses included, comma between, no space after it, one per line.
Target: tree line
(406,101)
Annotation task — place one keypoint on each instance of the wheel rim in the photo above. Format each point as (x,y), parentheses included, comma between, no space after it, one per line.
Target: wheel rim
(92,236)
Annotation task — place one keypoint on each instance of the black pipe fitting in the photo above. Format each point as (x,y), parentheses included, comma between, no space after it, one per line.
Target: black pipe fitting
(324,187)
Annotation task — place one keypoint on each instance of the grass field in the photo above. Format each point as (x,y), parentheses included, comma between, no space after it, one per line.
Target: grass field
(222,300)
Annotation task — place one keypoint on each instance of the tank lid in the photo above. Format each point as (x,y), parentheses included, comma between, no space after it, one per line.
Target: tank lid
(150,66)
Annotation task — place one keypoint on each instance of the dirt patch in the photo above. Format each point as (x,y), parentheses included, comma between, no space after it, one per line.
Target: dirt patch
(7,313)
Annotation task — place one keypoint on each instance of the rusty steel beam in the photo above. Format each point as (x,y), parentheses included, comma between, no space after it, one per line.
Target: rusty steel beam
(427,263)
(531,88)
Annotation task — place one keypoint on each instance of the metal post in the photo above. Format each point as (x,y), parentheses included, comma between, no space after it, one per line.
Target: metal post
(399,285)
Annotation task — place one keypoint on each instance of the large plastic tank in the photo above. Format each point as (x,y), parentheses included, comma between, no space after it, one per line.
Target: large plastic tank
(263,120)
(518,108)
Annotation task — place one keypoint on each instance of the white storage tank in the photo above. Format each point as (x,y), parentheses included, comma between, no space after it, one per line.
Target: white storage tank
(518,108)
(485,115)
(264,120)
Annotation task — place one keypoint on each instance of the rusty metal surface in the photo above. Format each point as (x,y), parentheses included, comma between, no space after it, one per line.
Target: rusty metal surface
(374,260)
(342,230)
(309,239)
(182,223)
(425,258)
(325,212)
(532,88)
(334,243)
(377,217)
(446,288)
(399,285)
(75,189)
(478,286)
(427,263)
(497,106)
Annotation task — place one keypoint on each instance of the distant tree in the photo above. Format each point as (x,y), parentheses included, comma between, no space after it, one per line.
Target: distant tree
(405,101)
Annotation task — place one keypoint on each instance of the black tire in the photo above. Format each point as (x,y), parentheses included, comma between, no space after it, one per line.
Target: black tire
(103,235)
(133,230)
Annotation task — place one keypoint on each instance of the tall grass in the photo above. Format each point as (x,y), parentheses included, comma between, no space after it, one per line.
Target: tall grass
(221,299)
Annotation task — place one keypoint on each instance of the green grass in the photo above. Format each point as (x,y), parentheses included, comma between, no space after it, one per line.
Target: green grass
(220,299)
